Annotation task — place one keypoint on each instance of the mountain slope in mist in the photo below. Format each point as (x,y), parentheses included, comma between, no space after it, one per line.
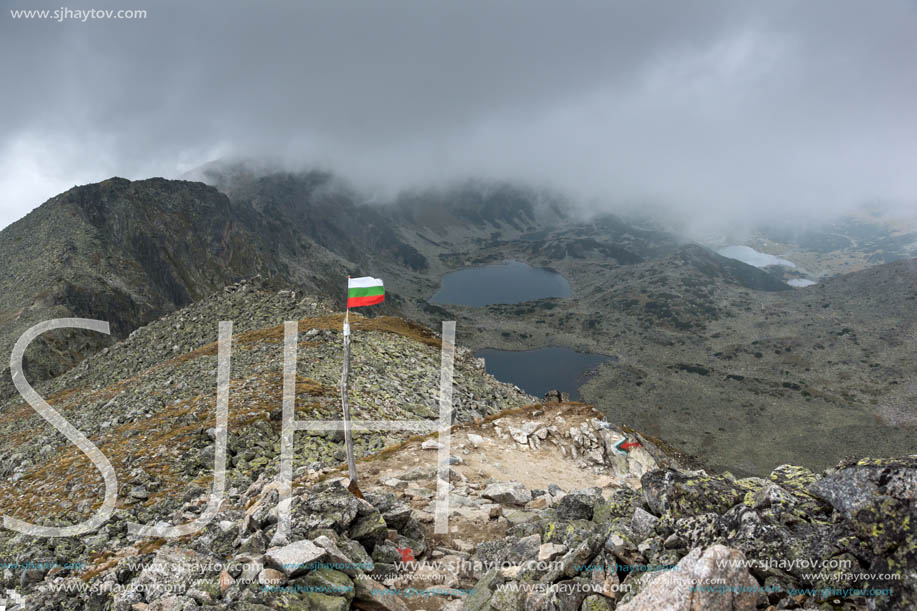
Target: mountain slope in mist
(125,252)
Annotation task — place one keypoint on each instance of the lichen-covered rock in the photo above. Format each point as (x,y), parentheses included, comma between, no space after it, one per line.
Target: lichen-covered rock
(853,486)
(791,536)
(596,602)
(877,501)
(643,523)
(578,505)
(328,505)
(171,572)
(506,600)
(510,550)
(397,516)
(623,503)
(294,559)
(483,590)
(340,559)
(689,493)
(673,590)
(793,477)
(328,581)
(568,595)
(572,563)
(371,594)
(369,530)
(797,545)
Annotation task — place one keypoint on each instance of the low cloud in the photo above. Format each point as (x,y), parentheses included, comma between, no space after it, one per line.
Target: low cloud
(711,111)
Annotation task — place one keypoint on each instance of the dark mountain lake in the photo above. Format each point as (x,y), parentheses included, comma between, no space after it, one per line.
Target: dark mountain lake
(511,282)
(538,371)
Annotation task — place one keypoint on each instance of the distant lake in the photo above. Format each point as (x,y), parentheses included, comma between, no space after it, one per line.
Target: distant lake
(747,254)
(511,282)
(538,371)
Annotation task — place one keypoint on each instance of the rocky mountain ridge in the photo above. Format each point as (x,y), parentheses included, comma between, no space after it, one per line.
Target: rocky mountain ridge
(126,252)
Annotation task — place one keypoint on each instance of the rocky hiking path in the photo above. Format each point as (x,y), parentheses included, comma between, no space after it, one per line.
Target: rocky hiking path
(503,469)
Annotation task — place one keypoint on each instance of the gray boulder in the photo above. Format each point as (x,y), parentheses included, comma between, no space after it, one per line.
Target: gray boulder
(682,493)
(671,590)
(294,559)
(507,493)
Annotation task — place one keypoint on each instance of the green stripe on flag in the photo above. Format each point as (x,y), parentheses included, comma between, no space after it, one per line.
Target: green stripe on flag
(367,291)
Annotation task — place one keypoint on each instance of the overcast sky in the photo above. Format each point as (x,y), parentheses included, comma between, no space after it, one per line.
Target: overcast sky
(707,108)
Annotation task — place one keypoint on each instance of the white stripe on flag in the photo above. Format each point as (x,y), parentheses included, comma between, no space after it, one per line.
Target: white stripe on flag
(364,282)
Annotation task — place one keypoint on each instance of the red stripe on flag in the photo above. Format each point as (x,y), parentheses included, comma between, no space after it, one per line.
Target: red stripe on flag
(356,302)
(630,444)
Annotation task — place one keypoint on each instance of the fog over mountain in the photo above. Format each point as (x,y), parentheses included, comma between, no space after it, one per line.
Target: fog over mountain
(709,110)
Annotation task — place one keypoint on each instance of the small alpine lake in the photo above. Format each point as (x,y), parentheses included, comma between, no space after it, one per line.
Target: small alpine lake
(543,369)
(509,282)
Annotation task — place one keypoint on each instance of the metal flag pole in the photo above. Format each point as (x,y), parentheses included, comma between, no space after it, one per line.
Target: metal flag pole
(345,404)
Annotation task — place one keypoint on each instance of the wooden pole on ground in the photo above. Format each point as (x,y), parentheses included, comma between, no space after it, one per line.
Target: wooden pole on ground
(345,404)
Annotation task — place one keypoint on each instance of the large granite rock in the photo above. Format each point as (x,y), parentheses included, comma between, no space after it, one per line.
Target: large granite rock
(689,492)
(676,590)
(294,559)
(507,493)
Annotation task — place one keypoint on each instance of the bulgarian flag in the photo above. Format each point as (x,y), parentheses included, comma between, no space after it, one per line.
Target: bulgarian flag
(364,291)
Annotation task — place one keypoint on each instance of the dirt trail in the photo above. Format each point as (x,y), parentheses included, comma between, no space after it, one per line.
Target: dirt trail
(542,447)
